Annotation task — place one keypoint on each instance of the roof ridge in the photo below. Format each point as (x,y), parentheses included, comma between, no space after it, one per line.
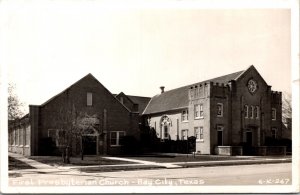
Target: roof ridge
(241,71)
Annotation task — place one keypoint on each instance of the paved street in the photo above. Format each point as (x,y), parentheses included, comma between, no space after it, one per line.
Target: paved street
(266,174)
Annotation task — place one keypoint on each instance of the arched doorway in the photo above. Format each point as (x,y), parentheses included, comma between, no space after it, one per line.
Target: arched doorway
(89,141)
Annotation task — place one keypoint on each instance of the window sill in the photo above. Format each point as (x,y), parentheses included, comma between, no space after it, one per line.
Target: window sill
(197,118)
(184,121)
(200,141)
(220,116)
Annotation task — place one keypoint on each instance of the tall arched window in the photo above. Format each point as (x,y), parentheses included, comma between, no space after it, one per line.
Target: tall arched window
(165,127)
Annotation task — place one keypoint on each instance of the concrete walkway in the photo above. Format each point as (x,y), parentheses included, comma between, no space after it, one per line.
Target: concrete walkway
(42,167)
(166,165)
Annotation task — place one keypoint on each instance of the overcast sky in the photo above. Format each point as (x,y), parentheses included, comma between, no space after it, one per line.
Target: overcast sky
(50,45)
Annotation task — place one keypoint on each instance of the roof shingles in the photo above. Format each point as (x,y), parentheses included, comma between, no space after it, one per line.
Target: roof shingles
(178,98)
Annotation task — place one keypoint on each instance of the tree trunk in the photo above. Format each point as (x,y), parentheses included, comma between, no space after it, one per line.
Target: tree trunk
(67,154)
(81,149)
(63,155)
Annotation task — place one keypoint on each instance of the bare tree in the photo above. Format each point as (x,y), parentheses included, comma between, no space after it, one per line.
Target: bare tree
(73,126)
(14,105)
(286,107)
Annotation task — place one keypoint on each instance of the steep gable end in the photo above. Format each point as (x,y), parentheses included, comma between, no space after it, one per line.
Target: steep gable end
(80,82)
(247,71)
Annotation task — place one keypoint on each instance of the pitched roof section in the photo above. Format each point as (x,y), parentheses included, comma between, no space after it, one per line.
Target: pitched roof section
(88,75)
(178,98)
(141,101)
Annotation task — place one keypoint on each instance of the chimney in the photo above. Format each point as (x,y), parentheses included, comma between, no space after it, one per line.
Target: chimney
(162,88)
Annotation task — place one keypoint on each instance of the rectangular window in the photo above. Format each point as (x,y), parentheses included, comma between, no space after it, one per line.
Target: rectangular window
(201,111)
(184,134)
(14,137)
(89,99)
(52,134)
(251,112)
(246,110)
(17,136)
(57,136)
(116,138)
(198,111)
(257,112)
(27,135)
(199,133)
(21,136)
(220,110)
(184,115)
(273,114)
(274,133)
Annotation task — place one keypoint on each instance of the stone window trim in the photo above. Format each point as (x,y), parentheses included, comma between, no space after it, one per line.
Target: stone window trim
(220,109)
(117,138)
(274,132)
(199,131)
(89,99)
(198,111)
(274,114)
(184,134)
(184,116)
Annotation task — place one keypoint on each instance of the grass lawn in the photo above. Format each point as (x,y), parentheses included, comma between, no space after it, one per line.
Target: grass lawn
(76,161)
(184,158)
(14,164)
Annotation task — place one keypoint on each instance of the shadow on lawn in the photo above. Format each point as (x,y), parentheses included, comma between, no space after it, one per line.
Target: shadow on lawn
(76,161)
(14,164)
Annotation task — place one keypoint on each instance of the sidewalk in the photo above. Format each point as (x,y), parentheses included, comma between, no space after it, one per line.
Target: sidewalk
(134,163)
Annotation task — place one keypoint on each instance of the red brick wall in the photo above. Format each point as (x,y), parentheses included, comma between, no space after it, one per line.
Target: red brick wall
(118,117)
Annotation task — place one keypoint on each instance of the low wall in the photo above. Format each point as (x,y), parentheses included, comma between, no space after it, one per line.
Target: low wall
(229,150)
(276,150)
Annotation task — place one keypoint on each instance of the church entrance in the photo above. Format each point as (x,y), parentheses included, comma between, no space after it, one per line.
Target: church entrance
(249,138)
(89,144)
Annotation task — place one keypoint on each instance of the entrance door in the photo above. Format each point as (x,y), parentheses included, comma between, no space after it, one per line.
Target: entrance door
(220,138)
(89,145)
(249,138)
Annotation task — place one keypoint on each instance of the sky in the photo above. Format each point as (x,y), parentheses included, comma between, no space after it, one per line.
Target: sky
(49,45)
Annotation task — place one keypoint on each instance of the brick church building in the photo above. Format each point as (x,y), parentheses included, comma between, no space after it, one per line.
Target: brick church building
(237,109)
(106,117)
(223,114)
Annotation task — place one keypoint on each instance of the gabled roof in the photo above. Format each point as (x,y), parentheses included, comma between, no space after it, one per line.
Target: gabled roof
(141,101)
(178,98)
(88,75)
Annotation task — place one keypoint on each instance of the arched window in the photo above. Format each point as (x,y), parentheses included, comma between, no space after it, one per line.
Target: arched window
(165,127)
(246,110)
